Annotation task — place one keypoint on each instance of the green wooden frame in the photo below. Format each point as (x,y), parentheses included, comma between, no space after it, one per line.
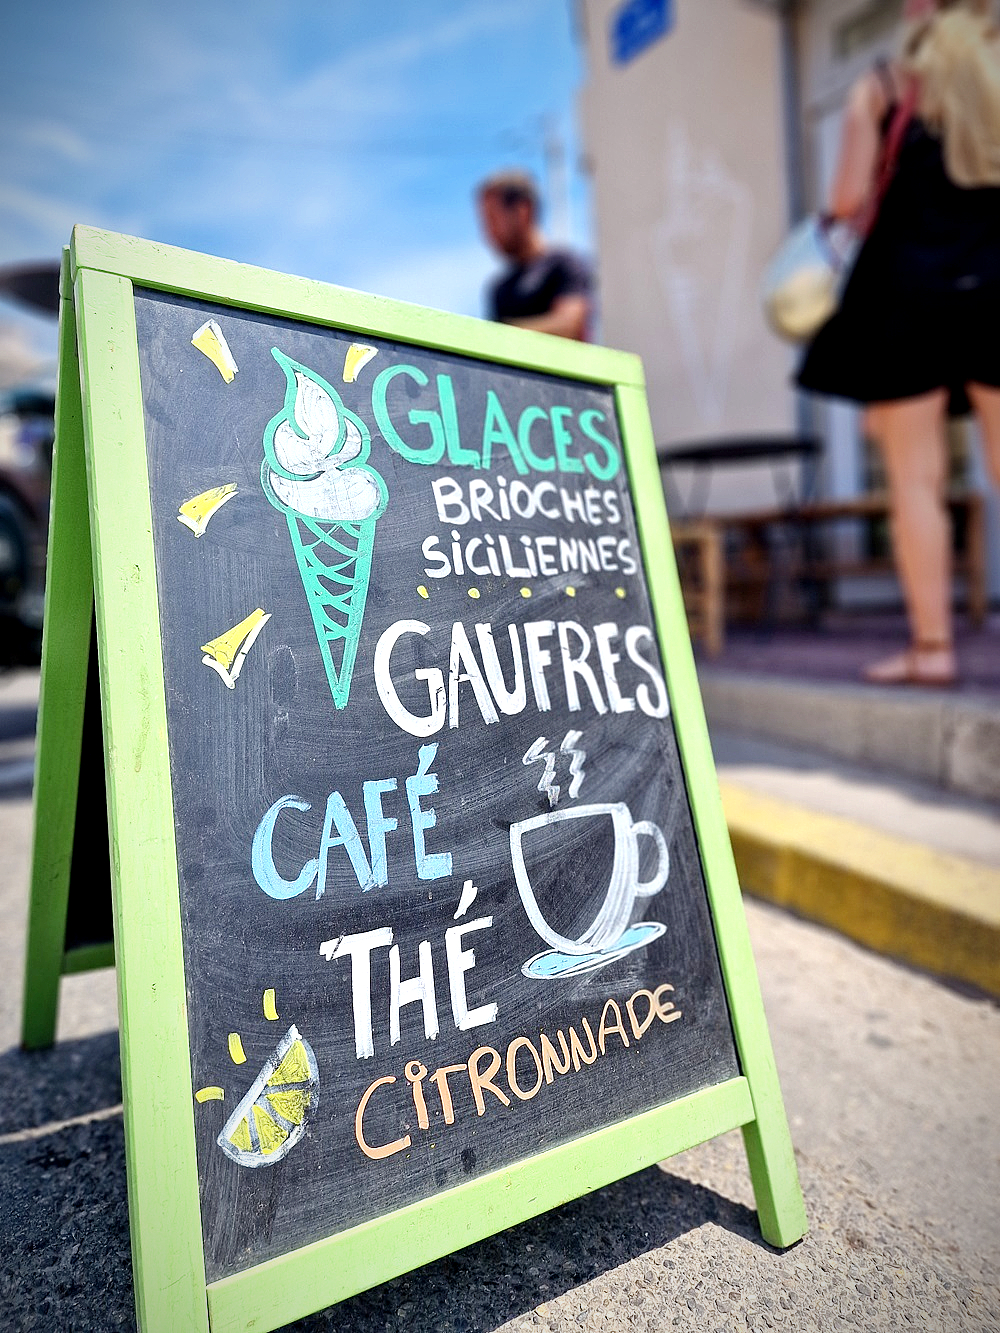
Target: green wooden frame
(69,597)
(171,1291)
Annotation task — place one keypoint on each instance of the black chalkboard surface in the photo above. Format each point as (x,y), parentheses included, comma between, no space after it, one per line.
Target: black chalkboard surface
(425,915)
(462,874)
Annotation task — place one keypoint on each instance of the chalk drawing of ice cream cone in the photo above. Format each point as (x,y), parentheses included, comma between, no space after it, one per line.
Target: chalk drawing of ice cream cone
(314,472)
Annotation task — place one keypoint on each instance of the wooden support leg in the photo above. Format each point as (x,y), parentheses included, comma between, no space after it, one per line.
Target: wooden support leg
(69,599)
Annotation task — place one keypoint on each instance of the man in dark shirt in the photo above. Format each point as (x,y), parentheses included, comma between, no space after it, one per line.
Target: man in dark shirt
(545,288)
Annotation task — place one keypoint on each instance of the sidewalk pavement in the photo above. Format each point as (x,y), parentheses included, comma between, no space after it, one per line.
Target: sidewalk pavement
(890,1083)
(804,686)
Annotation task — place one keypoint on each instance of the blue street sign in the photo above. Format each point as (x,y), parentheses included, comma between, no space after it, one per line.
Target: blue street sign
(636,25)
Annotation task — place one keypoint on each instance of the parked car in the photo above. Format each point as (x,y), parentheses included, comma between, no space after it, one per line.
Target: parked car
(26,437)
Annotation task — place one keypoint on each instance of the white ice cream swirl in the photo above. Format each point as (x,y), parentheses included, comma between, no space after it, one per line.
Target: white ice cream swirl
(321,485)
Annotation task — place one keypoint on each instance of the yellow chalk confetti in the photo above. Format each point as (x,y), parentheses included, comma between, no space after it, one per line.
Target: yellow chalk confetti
(269,1009)
(211,1094)
(619,592)
(525,592)
(196,512)
(225,648)
(423,591)
(358,356)
(227,653)
(212,341)
(570,592)
(473,592)
(236,1051)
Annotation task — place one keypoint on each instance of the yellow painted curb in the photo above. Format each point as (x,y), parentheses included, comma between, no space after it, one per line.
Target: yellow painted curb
(937,911)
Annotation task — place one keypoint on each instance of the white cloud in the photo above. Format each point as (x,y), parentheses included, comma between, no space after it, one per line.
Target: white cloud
(35,218)
(380,60)
(63,140)
(446,279)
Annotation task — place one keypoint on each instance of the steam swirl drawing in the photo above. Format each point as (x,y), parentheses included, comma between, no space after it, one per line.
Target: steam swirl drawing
(314,472)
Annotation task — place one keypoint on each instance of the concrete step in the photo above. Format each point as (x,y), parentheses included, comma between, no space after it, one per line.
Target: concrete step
(948,738)
(899,865)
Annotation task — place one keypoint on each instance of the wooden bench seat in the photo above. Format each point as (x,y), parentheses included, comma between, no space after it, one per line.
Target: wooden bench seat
(721,555)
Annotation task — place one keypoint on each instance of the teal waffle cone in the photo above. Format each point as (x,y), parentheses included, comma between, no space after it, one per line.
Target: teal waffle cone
(335,561)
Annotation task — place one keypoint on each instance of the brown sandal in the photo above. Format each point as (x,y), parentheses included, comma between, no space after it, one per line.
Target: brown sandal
(930,663)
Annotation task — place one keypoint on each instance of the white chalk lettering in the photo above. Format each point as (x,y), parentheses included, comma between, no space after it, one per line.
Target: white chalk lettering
(603,679)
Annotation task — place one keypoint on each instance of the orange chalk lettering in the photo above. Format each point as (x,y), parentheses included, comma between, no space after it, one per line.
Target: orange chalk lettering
(440,1080)
(576,1047)
(416,1073)
(663,1010)
(550,1060)
(606,1027)
(512,1051)
(639,1028)
(387,1149)
(480,1080)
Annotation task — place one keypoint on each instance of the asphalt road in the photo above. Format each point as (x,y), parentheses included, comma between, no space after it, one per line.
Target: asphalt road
(892,1084)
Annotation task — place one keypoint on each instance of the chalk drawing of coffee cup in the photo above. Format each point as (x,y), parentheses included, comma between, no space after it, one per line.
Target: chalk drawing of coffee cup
(611,934)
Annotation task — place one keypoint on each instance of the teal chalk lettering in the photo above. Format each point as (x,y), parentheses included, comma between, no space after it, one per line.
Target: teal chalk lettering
(458,455)
(430,865)
(562,439)
(433,450)
(524,424)
(608,468)
(496,430)
(262,855)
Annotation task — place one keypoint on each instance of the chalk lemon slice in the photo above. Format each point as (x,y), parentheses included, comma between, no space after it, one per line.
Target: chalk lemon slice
(271,1118)
(196,512)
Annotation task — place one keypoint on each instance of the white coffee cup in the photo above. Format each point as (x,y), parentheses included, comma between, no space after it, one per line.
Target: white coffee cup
(615,915)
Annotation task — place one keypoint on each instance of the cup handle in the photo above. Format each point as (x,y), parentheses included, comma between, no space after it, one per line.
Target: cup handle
(649,887)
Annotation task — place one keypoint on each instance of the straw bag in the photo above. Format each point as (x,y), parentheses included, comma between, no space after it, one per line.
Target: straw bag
(802,283)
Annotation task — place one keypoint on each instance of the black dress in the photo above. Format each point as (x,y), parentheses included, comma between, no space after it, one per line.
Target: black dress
(921,307)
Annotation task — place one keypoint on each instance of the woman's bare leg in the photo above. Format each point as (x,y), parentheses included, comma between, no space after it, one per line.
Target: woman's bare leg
(986,405)
(911,436)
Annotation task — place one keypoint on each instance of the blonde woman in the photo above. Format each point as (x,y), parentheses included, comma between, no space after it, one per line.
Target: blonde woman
(917,334)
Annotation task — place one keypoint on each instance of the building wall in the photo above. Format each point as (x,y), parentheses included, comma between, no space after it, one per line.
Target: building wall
(687,151)
(685,146)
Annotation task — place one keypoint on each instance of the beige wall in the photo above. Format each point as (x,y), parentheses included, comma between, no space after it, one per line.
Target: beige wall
(686,150)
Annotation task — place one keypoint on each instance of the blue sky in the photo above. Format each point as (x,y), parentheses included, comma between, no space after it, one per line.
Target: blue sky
(339,139)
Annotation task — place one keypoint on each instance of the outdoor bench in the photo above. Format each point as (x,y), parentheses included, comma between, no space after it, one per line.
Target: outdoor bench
(746,563)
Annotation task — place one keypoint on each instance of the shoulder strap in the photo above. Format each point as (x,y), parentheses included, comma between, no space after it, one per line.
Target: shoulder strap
(893,141)
(884,75)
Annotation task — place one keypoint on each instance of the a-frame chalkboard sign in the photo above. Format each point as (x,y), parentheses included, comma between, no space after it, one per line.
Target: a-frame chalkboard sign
(425,915)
